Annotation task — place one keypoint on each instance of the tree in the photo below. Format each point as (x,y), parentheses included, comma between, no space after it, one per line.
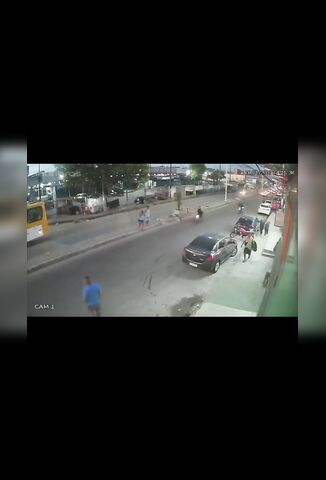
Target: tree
(132,175)
(95,177)
(79,176)
(216,176)
(197,170)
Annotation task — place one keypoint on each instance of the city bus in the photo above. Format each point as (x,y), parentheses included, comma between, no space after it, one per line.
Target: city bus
(37,222)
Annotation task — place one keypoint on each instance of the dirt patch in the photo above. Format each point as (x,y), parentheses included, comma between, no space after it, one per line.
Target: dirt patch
(186,306)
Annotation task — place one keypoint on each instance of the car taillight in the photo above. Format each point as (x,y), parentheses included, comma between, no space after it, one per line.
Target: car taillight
(210,258)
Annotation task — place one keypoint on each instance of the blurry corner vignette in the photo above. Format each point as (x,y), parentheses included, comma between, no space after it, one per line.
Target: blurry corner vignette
(13,291)
(311,242)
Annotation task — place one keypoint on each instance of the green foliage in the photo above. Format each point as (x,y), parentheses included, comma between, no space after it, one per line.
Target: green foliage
(91,177)
(197,170)
(216,176)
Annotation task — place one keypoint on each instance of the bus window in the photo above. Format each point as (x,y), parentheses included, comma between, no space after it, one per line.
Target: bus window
(34,214)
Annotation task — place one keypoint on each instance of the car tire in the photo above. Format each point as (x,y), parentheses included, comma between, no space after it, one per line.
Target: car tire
(216,267)
(235,251)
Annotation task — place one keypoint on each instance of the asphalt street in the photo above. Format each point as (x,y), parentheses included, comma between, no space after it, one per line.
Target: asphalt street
(140,276)
(68,234)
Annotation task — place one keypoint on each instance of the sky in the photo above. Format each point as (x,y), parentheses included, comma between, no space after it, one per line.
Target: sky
(49,167)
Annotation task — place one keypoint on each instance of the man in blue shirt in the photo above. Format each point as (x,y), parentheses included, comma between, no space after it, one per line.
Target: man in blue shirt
(91,296)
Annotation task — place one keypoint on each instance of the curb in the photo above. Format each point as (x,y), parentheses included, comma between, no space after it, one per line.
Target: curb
(80,218)
(161,222)
(52,261)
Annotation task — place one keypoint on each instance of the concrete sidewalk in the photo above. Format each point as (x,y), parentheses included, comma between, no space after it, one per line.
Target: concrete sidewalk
(53,250)
(245,295)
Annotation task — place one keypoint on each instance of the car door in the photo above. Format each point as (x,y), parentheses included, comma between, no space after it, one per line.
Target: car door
(222,248)
(229,247)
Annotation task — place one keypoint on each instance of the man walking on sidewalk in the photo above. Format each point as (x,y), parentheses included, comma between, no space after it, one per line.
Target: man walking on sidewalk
(91,296)
(249,244)
(266,228)
(261,226)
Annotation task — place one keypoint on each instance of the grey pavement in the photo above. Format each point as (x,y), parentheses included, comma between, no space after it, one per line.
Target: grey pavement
(246,280)
(140,275)
(67,239)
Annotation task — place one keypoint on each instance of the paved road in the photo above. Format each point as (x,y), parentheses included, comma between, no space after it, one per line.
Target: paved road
(143,275)
(68,234)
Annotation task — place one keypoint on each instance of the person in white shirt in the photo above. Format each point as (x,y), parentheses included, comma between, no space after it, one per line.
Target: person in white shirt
(147,215)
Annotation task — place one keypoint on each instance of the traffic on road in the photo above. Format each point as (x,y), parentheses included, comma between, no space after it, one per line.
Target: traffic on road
(146,275)
(152,258)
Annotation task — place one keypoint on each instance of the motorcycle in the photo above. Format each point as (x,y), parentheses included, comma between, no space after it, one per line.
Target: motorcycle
(240,209)
(239,231)
(199,215)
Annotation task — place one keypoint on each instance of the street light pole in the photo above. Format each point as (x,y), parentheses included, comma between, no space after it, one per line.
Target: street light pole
(103,196)
(226,185)
(170,178)
(39,182)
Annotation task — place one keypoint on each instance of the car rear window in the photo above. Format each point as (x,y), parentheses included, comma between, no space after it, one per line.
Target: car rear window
(246,222)
(203,242)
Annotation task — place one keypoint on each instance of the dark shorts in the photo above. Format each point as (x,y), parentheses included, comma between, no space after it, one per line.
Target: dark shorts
(247,251)
(94,308)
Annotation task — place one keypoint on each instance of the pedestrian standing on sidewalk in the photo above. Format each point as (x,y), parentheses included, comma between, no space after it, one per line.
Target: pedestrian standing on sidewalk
(266,228)
(141,219)
(147,215)
(261,226)
(249,244)
(91,296)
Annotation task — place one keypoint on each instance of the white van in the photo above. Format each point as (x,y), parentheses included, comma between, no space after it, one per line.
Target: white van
(95,204)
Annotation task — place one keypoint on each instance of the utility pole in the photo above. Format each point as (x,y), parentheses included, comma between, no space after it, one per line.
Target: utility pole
(39,182)
(226,184)
(103,196)
(170,178)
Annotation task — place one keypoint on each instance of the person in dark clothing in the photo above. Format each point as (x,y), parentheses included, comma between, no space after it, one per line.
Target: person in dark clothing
(261,226)
(248,243)
(266,228)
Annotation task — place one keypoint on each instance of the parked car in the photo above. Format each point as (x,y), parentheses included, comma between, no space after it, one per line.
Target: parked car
(208,251)
(66,207)
(249,222)
(95,203)
(265,208)
(117,192)
(81,197)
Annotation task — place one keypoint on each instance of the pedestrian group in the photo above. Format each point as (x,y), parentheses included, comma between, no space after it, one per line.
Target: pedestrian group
(144,217)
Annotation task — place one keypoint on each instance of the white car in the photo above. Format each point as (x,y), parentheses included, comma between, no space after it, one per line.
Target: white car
(265,208)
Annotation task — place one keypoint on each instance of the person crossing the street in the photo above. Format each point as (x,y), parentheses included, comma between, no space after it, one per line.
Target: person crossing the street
(91,296)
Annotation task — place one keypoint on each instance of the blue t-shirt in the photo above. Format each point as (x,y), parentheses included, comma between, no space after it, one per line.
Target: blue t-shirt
(92,294)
